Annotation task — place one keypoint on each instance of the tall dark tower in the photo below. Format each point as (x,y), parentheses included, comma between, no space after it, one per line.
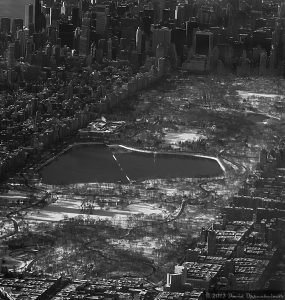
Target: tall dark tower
(76,17)
(211,242)
(38,16)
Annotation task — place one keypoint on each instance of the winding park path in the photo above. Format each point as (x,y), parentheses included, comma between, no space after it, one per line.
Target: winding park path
(172,218)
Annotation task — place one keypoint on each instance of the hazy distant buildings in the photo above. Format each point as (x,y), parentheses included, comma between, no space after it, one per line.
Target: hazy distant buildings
(202,51)
(17,24)
(203,43)
(179,14)
(139,40)
(158,6)
(101,18)
(161,36)
(39,17)
(5,25)
(11,56)
(84,45)
(66,34)
(75,18)
(29,15)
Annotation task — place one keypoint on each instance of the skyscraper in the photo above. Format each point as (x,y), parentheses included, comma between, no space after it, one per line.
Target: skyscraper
(17,52)
(29,12)
(204,43)
(211,242)
(179,14)
(48,16)
(11,56)
(38,16)
(17,24)
(101,18)
(75,17)
(22,42)
(84,47)
(55,15)
(158,6)
(66,34)
(5,25)
(139,40)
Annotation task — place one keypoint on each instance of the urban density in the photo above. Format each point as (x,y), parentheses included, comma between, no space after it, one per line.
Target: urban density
(142,149)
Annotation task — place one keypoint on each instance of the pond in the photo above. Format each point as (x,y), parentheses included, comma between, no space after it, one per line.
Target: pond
(86,163)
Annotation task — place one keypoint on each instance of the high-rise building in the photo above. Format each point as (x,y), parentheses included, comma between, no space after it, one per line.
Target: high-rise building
(166,15)
(5,25)
(22,41)
(188,12)
(80,9)
(17,52)
(55,15)
(49,3)
(161,36)
(257,5)
(259,38)
(178,38)
(37,40)
(146,22)
(235,4)
(38,16)
(29,14)
(52,34)
(84,47)
(29,49)
(179,14)
(66,34)
(211,242)
(122,11)
(204,43)
(171,4)
(158,6)
(217,31)
(63,9)
(281,10)
(17,24)
(48,50)
(26,32)
(149,13)
(109,46)
(75,17)
(48,16)
(174,282)
(191,25)
(11,56)
(139,40)
(101,18)
(76,40)
(205,15)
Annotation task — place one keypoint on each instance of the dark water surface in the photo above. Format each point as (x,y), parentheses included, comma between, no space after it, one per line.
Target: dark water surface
(141,166)
(82,164)
(97,163)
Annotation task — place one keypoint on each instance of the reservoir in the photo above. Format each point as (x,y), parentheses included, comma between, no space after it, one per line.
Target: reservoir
(87,163)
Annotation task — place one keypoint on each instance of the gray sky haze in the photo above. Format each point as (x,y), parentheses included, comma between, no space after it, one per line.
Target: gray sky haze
(13,8)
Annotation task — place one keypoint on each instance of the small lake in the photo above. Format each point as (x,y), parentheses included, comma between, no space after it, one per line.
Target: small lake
(86,163)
